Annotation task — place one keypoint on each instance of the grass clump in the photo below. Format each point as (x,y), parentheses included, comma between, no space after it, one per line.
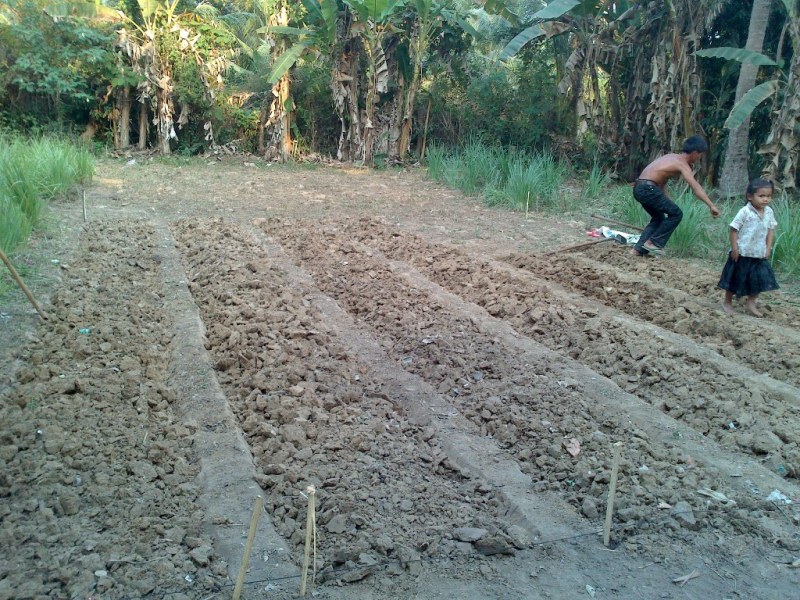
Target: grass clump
(517,180)
(786,247)
(33,172)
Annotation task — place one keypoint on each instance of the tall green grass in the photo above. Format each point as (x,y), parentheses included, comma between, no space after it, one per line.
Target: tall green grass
(786,246)
(694,235)
(33,172)
(503,177)
(597,180)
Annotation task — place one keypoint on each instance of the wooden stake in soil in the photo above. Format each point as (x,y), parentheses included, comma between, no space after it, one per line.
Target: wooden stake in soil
(311,539)
(248,548)
(22,285)
(612,490)
(84,206)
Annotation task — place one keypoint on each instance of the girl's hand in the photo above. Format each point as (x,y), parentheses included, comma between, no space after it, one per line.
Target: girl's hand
(735,254)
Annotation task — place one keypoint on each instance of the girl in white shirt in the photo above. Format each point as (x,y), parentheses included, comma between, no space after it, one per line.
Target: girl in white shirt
(747,271)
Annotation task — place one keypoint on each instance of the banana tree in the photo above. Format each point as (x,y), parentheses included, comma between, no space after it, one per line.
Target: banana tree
(662,86)
(591,26)
(166,39)
(782,147)
(373,23)
(315,34)
(428,17)
(275,119)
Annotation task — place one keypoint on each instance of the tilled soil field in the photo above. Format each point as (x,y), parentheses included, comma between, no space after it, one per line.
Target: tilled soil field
(449,396)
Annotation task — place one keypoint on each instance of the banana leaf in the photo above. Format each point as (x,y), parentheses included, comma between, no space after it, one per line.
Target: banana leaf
(745,107)
(748,57)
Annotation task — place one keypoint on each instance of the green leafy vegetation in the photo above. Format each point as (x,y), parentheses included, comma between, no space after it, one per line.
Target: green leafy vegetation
(517,180)
(786,247)
(33,172)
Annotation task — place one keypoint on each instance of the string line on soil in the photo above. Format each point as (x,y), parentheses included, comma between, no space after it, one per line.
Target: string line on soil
(639,523)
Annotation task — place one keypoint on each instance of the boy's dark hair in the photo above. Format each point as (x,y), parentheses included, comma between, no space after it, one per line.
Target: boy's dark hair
(757,184)
(695,144)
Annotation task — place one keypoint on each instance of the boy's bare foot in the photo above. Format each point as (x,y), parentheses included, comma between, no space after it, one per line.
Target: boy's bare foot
(753,310)
(635,252)
(728,308)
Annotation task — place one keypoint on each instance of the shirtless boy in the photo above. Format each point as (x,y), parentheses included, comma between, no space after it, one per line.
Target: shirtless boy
(649,191)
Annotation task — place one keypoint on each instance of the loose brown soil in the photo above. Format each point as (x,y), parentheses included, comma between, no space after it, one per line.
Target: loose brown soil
(221,330)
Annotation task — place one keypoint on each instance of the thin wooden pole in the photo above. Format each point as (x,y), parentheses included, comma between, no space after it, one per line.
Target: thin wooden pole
(425,131)
(612,490)
(22,285)
(311,538)
(84,206)
(578,246)
(251,536)
(628,225)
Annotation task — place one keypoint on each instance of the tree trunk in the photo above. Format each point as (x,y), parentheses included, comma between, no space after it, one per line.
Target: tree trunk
(124,101)
(278,126)
(165,111)
(262,125)
(344,86)
(735,177)
(144,126)
(275,135)
(419,46)
(404,143)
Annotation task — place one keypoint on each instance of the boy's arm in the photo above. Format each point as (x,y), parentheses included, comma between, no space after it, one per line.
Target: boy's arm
(698,190)
(734,237)
(770,238)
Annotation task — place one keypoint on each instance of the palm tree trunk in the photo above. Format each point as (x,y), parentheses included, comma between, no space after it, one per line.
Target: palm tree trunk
(735,177)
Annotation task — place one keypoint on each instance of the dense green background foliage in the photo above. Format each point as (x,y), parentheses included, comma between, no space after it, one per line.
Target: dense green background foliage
(359,79)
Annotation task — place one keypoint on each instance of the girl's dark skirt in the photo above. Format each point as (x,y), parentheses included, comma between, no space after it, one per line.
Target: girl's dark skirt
(747,276)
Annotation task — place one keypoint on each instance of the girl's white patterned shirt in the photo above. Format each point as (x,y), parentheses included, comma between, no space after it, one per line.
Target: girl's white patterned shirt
(753,230)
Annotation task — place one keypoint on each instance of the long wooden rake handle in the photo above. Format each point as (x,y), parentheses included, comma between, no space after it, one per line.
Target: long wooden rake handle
(21,284)
(606,219)
(578,246)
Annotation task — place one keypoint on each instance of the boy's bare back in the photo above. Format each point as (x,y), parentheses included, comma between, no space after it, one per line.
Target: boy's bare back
(666,167)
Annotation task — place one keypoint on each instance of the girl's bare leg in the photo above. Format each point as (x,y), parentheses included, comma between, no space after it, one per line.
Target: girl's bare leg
(727,304)
(751,306)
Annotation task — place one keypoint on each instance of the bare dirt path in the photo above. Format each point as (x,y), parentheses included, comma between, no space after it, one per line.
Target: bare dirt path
(224,329)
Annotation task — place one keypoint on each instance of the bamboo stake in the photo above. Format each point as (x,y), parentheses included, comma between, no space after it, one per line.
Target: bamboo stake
(612,490)
(628,225)
(248,548)
(578,246)
(84,206)
(311,535)
(22,285)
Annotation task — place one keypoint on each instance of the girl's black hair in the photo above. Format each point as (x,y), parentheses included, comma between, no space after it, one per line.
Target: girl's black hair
(758,183)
